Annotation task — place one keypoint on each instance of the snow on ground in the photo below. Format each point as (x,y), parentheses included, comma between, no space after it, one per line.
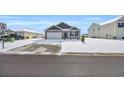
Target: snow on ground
(18,43)
(93,45)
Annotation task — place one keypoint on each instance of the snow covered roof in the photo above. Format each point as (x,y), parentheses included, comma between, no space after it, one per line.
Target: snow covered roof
(28,30)
(111,21)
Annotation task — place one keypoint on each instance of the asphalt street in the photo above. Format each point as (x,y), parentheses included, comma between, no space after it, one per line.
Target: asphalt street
(61,66)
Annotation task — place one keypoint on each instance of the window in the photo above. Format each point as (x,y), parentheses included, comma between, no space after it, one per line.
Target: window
(120,25)
(98,29)
(93,30)
(72,33)
(76,33)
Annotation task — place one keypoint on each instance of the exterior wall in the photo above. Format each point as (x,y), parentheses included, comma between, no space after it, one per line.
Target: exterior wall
(68,33)
(30,35)
(106,31)
(109,30)
(93,31)
(120,31)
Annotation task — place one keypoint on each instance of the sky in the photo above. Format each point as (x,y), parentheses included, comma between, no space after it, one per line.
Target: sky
(40,22)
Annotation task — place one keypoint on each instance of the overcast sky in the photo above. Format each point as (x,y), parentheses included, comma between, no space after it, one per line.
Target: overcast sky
(39,23)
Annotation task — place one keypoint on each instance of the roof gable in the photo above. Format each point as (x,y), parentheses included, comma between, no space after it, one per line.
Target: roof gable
(53,28)
(74,28)
(64,25)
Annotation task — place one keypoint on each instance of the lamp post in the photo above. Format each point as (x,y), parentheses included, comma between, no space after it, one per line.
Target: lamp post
(3,27)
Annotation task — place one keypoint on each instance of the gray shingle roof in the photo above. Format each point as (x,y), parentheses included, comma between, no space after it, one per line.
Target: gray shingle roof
(53,28)
(64,25)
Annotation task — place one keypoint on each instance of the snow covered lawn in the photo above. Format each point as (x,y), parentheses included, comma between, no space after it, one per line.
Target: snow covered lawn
(18,43)
(93,45)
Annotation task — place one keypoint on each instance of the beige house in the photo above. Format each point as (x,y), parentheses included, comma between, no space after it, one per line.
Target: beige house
(29,34)
(110,29)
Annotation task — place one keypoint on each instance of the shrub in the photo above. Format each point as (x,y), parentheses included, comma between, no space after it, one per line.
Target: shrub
(83,38)
(9,39)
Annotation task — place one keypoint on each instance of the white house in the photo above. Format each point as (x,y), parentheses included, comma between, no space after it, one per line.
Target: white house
(62,31)
(110,29)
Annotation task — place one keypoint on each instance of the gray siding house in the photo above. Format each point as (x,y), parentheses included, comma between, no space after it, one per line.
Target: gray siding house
(62,31)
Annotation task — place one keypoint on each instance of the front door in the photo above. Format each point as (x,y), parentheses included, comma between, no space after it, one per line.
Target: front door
(65,35)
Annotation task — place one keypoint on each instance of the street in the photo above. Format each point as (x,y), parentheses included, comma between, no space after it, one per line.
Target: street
(61,66)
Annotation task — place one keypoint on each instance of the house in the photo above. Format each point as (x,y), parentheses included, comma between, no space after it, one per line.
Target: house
(28,34)
(62,31)
(110,29)
(9,32)
(2,26)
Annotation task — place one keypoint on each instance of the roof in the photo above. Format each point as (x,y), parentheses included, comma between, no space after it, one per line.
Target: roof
(28,30)
(74,28)
(112,20)
(62,27)
(54,28)
(3,23)
(9,30)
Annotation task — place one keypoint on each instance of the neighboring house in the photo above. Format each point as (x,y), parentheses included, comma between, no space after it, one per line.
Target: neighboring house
(28,34)
(2,26)
(9,32)
(110,29)
(62,31)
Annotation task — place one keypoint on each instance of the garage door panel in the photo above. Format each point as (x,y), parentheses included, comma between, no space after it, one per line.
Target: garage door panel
(54,35)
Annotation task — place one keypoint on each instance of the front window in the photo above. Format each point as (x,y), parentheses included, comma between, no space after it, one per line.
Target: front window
(76,33)
(120,25)
(98,29)
(73,33)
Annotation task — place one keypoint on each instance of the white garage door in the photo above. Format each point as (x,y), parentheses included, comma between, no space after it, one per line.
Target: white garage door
(54,35)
